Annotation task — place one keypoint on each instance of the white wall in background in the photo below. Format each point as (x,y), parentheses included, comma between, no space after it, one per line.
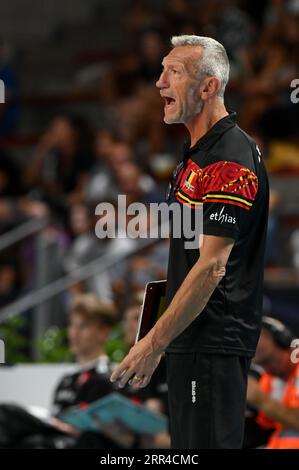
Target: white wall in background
(29,384)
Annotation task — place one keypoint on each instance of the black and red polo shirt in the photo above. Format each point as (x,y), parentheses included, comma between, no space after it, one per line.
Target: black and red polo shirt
(224,175)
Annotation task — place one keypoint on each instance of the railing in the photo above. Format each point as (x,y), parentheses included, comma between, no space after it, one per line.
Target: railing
(42,299)
(98,266)
(25,230)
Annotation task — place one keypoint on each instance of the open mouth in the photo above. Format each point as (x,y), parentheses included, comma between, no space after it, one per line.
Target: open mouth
(169,101)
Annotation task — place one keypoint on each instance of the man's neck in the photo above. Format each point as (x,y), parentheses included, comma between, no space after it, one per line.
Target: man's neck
(206,119)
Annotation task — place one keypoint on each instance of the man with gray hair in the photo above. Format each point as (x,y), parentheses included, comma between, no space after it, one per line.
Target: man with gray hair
(211,326)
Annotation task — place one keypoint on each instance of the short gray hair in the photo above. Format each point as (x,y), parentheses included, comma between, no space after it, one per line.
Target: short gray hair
(213,62)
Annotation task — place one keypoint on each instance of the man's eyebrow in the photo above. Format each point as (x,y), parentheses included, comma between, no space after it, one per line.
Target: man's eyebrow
(178,64)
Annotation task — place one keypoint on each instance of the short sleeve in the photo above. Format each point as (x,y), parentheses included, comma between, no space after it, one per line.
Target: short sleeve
(228,194)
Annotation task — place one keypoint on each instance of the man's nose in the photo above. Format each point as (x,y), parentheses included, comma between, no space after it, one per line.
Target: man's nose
(161,82)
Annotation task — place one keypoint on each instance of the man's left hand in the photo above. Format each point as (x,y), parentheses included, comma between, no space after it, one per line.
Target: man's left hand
(138,365)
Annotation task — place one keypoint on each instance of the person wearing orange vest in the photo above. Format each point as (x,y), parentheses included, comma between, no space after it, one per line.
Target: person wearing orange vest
(276,394)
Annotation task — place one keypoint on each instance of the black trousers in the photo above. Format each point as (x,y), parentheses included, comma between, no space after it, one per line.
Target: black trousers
(207,400)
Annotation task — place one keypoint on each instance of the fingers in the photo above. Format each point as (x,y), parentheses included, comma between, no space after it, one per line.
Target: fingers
(137,379)
(126,377)
(135,369)
(119,371)
(219,271)
(141,383)
(145,381)
(122,374)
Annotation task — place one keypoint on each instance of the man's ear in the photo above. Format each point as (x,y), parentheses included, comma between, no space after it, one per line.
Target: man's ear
(209,88)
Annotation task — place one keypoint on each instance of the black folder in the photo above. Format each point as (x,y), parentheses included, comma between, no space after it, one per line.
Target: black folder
(154,305)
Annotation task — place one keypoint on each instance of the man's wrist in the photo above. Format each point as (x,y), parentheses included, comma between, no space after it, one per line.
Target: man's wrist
(158,346)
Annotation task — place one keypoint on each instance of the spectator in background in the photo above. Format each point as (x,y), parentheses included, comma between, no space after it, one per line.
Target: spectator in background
(178,13)
(10,188)
(157,390)
(273,68)
(111,153)
(273,13)
(150,54)
(60,162)
(14,207)
(139,16)
(10,184)
(255,435)
(234,27)
(137,119)
(89,244)
(10,109)
(276,395)
(90,323)
(272,252)
(85,248)
(65,182)
(136,185)
(9,283)
(153,397)
(295,250)
(150,265)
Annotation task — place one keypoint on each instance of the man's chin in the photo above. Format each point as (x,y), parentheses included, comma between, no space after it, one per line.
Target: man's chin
(171,120)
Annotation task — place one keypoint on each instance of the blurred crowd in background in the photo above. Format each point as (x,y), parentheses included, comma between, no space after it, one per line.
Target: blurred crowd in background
(82,123)
(70,142)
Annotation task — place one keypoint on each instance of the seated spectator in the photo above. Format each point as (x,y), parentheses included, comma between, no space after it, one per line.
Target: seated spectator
(283,155)
(276,64)
(295,250)
(14,208)
(110,155)
(9,283)
(157,388)
(272,243)
(154,397)
(91,322)
(255,435)
(136,185)
(60,162)
(88,245)
(10,109)
(276,395)
(9,176)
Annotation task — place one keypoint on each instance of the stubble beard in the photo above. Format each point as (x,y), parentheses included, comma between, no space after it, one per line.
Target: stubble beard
(185,116)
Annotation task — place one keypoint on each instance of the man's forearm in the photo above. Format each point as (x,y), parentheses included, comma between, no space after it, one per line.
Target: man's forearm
(187,304)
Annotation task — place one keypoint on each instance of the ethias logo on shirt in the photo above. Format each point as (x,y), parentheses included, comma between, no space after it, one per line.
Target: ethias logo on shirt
(223,217)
